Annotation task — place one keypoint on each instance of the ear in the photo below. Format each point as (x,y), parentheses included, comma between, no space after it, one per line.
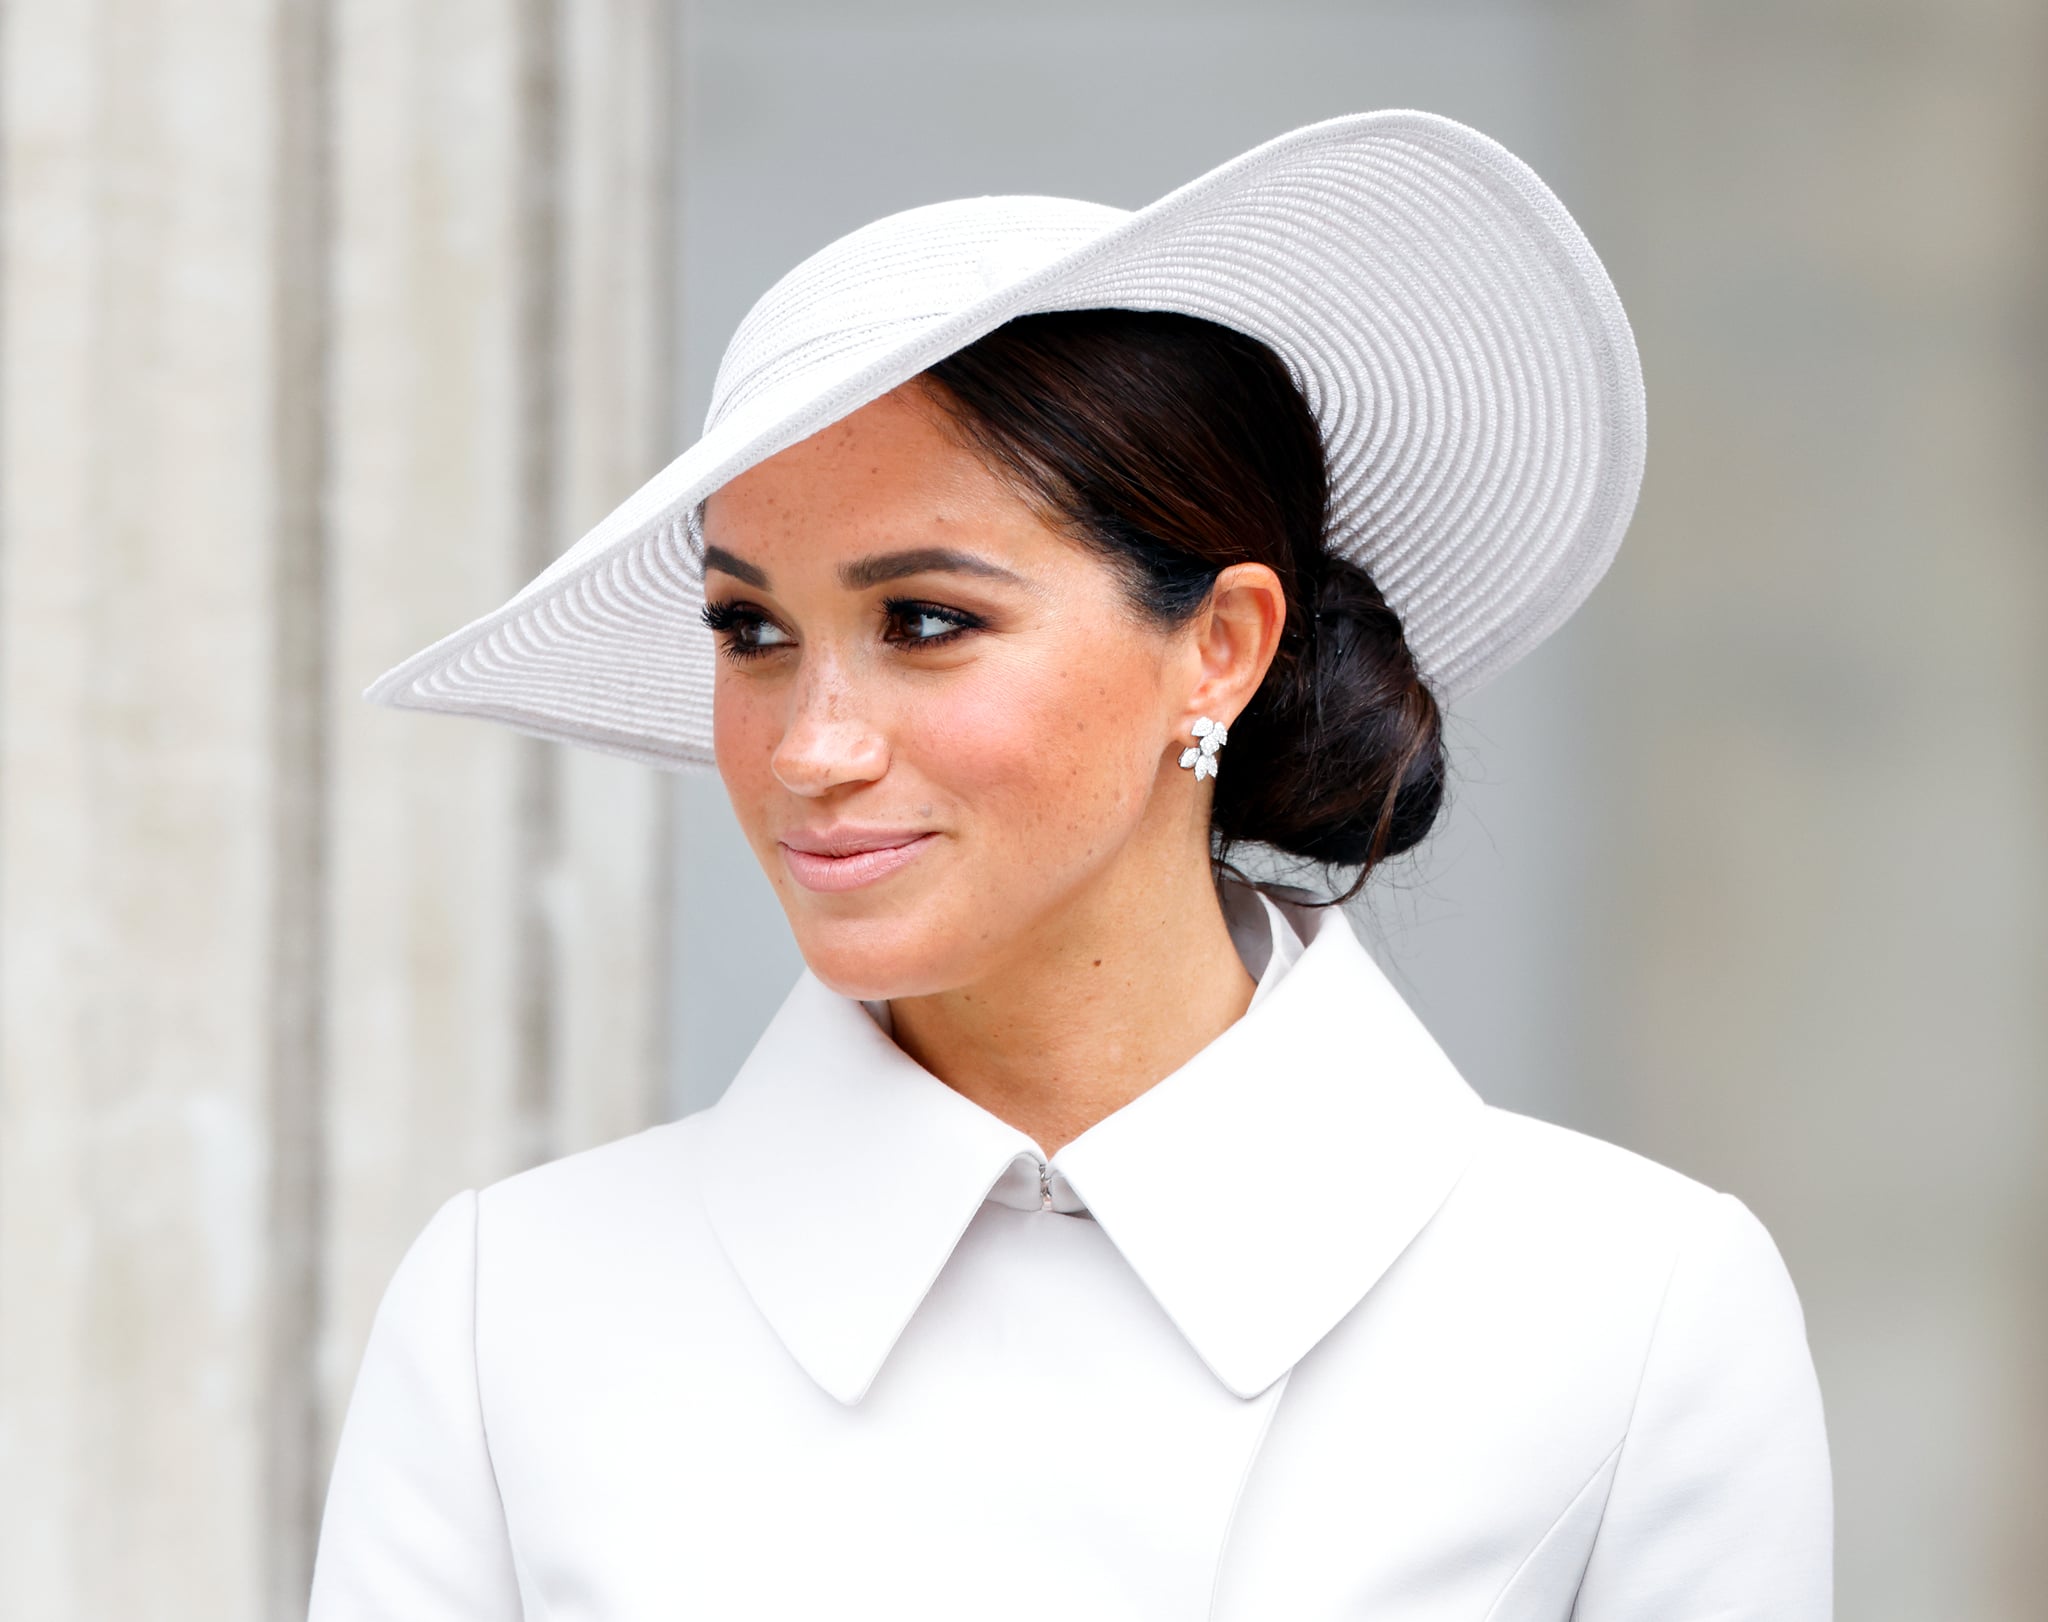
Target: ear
(1235,637)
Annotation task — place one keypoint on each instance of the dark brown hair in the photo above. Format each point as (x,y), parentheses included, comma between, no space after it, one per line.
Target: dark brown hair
(1175,447)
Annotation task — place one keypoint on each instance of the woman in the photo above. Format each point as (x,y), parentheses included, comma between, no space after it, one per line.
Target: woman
(1094,1232)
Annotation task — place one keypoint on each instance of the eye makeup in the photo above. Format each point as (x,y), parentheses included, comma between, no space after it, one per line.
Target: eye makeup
(747,632)
(931,625)
(741,629)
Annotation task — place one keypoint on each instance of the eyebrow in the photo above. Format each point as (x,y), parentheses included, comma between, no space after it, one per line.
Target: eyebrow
(716,557)
(873,570)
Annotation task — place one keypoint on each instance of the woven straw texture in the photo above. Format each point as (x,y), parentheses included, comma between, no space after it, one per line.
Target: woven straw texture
(1464,351)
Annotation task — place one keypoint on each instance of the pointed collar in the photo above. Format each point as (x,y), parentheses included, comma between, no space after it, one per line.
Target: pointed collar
(1258,1191)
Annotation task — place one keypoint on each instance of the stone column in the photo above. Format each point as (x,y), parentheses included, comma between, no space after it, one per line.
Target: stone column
(138,818)
(320,329)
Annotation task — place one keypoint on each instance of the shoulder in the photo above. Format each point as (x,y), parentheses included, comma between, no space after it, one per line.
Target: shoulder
(1575,1276)
(1565,1180)
(1573,1172)
(599,1201)
(1599,1230)
(580,1255)
(1662,1308)
(646,1177)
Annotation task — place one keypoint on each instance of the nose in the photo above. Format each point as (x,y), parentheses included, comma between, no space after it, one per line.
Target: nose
(828,742)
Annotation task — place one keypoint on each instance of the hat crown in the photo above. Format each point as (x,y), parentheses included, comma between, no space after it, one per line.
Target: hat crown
(864,294)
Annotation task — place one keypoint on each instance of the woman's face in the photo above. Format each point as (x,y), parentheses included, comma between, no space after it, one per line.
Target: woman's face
(941,722)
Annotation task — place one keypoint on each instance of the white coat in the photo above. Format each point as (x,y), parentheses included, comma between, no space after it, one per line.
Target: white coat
(1304,1332)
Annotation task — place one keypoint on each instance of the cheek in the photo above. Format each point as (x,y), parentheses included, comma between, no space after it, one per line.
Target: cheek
(745,731)
(1043,753)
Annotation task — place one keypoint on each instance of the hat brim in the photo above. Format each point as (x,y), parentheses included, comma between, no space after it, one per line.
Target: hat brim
(1463,349)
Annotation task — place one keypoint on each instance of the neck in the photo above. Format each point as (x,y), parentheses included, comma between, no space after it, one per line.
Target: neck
(1107,998)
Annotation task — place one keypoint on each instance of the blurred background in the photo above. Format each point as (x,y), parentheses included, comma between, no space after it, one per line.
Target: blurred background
(325,323)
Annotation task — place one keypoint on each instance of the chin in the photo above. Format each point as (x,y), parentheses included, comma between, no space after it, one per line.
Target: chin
(877,958)
(910,935)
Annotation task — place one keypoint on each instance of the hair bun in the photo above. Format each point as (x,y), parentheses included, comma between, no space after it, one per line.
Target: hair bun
(1340,757)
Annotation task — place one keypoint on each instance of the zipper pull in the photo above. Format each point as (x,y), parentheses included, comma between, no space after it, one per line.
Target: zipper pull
(1044,1186)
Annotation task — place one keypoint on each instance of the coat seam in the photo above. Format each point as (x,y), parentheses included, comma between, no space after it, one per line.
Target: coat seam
(1543,1537)
(1678,1254)
(1243,1481)
(520,1572)
(1628,1424)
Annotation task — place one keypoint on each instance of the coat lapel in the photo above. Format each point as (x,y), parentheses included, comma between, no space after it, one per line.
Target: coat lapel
(1258,1192)
(840,1176)
(1262,1189)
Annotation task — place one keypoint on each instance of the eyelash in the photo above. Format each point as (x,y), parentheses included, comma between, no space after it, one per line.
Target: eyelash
(726,621)
(899,608)
(730,621)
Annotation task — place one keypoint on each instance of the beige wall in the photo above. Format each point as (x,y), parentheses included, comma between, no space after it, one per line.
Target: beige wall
(1827,931)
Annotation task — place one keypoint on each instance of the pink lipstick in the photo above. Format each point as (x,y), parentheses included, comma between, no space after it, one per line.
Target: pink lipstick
(848,858)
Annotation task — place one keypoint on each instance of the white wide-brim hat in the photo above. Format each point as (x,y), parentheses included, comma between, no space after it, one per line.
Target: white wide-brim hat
(1460,344)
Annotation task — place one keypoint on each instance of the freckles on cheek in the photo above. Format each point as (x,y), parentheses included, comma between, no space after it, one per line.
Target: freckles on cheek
(989,733)
(1055,753)
(744,736)
(973,716)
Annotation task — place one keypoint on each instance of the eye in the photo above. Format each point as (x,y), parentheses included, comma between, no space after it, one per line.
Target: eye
(925,625)
(743,631)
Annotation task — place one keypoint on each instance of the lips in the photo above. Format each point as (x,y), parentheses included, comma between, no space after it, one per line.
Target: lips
(849,858)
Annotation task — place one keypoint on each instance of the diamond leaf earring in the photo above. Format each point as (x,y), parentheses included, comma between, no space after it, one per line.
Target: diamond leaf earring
(1213,736)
